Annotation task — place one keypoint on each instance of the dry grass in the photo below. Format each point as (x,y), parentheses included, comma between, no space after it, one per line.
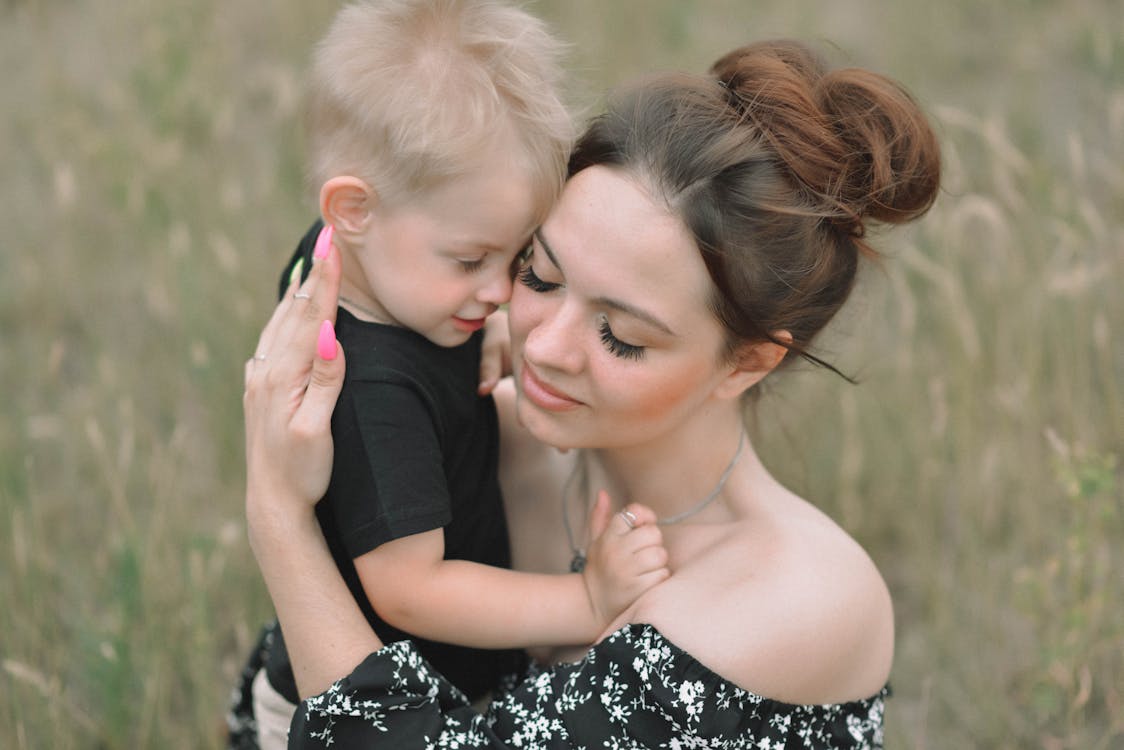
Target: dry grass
(152,188)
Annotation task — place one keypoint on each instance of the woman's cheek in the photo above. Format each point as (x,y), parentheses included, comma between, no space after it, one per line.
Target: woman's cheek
(645,393)
(518,312)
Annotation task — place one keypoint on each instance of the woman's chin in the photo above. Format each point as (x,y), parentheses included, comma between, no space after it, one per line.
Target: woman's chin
(543,425)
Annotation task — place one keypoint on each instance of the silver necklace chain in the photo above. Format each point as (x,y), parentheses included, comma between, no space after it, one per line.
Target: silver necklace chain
(360,308)
(577,562)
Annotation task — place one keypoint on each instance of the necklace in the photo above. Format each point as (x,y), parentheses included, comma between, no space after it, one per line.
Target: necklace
(360,308)
(577,562)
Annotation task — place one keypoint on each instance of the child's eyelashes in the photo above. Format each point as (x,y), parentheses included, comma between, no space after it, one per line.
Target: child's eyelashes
(471,266)
(615,346)
(529,279)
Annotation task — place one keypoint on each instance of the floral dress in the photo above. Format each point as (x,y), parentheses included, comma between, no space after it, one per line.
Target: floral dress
(635,689)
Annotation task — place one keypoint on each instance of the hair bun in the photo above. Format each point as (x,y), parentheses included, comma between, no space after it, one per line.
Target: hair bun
(893,158)
(855,139)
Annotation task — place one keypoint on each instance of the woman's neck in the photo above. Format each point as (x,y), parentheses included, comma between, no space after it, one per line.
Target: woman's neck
(676,473)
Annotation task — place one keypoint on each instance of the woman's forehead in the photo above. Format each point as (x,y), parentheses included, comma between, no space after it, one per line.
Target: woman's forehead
(609,233)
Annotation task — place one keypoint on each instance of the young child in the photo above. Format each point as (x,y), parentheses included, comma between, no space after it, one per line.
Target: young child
(438,143)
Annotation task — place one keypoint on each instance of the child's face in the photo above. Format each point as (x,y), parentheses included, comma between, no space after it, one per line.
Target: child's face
(440,263)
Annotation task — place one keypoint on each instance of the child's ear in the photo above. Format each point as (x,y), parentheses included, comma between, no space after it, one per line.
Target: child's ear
(752,362)
(346,203)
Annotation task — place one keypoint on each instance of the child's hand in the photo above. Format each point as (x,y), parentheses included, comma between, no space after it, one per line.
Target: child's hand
(495,353)
(626,558)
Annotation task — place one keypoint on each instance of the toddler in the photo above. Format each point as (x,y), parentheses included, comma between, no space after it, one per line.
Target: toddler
(438,143)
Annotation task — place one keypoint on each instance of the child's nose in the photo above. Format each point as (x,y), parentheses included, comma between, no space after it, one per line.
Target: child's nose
(497,290)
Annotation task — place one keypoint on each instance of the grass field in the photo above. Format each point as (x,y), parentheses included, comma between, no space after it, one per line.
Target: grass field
(152,188)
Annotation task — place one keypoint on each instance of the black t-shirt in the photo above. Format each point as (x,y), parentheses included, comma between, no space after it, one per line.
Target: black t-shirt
(416,449)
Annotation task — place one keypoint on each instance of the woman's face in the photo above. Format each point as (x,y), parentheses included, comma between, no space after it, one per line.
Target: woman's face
(612,341)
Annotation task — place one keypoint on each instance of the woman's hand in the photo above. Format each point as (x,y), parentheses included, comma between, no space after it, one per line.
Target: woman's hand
(292,383)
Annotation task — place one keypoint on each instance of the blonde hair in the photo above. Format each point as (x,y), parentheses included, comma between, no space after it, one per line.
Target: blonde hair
(407,94)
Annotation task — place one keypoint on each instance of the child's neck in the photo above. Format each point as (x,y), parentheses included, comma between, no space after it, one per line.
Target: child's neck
(355,294)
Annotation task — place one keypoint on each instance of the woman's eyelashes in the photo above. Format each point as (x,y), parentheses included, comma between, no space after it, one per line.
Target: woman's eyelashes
(529,279)
(615,346)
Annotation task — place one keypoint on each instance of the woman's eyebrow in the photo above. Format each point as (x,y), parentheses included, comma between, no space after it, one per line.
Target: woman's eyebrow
(609,302)
(549,253)
(635,312)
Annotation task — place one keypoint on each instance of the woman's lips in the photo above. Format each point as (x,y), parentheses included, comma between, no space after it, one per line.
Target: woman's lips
(542,395)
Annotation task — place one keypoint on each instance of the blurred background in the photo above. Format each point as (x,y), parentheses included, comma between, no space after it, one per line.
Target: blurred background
(152,189)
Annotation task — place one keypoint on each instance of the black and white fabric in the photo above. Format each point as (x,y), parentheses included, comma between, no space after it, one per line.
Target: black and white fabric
(635,689)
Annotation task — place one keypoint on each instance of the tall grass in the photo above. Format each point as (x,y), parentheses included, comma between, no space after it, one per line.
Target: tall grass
(152,165)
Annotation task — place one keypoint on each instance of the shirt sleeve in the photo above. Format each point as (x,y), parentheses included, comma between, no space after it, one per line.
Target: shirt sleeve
(301,260)
(388,475)
(393,699)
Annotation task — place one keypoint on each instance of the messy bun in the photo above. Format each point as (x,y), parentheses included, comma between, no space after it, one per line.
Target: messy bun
(854,138)
(776,165)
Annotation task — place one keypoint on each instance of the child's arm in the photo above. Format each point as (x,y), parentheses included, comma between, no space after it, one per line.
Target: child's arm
(495,352)
(470,604)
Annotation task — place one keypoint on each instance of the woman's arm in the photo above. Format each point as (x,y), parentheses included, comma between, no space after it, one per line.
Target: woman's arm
(291,386)
(325,632)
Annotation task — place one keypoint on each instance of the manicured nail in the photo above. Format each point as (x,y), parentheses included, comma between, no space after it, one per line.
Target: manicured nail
(295,274)
(323,242)
(326,343)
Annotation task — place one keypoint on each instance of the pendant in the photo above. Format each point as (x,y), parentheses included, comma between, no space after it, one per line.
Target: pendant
(577,564)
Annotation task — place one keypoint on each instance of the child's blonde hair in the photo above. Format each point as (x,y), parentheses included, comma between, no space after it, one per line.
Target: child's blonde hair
(406,94)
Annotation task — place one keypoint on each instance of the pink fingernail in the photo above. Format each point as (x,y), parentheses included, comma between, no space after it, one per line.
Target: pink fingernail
(326,343)
(323,242)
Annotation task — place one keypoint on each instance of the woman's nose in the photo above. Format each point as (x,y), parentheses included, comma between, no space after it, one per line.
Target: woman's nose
(555,342)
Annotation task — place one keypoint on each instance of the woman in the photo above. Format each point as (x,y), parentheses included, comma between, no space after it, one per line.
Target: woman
(710,228)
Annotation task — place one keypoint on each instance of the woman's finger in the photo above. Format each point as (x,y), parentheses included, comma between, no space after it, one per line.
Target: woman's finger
(314,415)
(317,302)
(269,333)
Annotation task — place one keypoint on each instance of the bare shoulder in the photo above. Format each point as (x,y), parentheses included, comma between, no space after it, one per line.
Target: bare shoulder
(793,609)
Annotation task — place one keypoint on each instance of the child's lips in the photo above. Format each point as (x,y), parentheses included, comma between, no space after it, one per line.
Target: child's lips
(468,324)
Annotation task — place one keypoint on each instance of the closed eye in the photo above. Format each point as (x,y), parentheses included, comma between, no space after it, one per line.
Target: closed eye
(471,266)
(615,346)
(529,279)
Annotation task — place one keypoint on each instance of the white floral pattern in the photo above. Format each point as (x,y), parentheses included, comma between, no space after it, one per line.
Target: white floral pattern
(633,690)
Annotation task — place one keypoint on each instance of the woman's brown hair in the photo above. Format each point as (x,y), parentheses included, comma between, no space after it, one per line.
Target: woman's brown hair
(776,165)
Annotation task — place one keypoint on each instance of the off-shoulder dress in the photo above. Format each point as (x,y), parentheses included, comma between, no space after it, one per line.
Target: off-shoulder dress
(634,689)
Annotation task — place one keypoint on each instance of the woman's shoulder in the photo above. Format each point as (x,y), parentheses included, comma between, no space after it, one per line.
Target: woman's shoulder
(792,608)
